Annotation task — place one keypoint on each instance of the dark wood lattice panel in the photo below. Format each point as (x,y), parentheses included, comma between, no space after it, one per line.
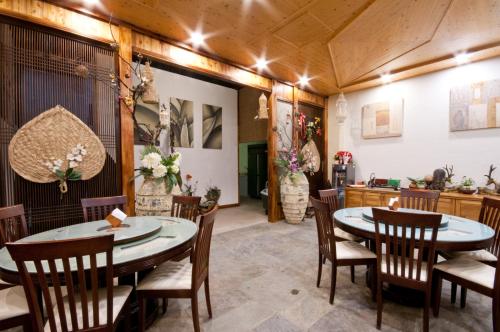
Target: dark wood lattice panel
(37,72)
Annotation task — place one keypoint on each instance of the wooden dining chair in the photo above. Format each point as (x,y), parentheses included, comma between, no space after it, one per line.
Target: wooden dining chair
(331,196)
(182,280)
(85,307)
(426,200)
(490,216)
(408,257)
(344,253)
(470,274)
(186,207)
(12,228)
(14,309)
(100,207)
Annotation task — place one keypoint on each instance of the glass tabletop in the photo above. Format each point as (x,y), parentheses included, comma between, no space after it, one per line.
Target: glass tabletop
(173,232)
(457,229)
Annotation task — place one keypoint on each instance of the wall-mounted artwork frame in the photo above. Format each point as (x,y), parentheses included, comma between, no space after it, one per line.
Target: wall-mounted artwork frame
(147,115)
(475,106)
(181,122)
(212,126)
(382,119)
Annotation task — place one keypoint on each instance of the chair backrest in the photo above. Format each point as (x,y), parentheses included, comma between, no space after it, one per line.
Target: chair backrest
(185,207)
(201,254)
(426,200)
(12,224)
(52,261)
(330,196)
(100,207)
(490,216)
(403,235)
(325,226)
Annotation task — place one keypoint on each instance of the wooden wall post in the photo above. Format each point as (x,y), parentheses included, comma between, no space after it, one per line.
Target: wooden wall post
(274,212)
(126,122)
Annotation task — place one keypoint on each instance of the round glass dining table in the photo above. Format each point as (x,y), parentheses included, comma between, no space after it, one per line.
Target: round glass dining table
(455,233)
(146,242)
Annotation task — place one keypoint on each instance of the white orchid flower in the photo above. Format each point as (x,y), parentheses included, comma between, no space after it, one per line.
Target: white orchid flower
(73,164)
(58,162)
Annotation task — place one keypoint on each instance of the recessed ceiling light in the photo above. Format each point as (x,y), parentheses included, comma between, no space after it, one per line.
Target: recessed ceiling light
(261,64)
(91,2)
(197,38)
(462,58)
(303,80)
(386,78)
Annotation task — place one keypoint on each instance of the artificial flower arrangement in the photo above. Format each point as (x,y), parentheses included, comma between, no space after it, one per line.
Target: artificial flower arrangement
(162,168)
(189,188)
(70,173)
(288,160)
(308,128)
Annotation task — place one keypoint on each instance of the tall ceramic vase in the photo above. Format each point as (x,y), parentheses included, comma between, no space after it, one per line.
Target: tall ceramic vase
(154,198)
(294,197)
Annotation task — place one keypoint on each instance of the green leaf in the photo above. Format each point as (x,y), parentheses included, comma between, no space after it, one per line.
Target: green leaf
(60,174)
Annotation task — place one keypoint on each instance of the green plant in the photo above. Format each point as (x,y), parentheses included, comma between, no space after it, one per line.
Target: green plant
(213,194)
(467,182)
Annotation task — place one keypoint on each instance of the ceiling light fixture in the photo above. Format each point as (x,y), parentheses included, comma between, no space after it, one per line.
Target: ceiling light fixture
(91,2)
(261,64)
(386,78)
(196,38)
(303,80)
(462,58)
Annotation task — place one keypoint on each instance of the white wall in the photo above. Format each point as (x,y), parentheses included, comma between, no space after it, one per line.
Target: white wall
(207,166)
(426,143)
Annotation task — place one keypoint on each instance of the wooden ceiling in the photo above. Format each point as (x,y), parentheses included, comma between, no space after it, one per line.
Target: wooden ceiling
(338,43)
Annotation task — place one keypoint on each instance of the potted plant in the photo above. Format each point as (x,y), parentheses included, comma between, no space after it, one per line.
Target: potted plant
(467,186)
(211,199)
(417,183)
(161,178)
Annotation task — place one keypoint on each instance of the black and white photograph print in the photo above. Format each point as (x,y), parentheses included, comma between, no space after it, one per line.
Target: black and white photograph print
(147,117)
(181,122)
(212,127)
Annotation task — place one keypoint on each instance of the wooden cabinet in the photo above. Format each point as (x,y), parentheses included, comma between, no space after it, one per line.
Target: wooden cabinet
(446,205)
(373,199)
(467,209)
(354,199)
(466,206)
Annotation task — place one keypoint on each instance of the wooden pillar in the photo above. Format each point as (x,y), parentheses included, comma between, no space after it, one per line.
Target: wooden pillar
(126,122)
(274,210)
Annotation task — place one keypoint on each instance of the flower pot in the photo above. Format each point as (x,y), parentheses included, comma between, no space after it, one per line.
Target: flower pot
(294,197)
(154,198)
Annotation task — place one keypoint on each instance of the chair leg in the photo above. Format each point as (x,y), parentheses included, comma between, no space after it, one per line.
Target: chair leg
(27,325)
(333,283)
(463,296)
(379,304)
(427,305)
(207,297)
(320,267)
(373,272)
(496,314)
(164,305)
(194,310)
(438,283)
(324,259)
(352,274)
(453,292)
(142,313)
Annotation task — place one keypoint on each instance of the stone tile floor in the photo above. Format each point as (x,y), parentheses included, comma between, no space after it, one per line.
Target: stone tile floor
(263,278)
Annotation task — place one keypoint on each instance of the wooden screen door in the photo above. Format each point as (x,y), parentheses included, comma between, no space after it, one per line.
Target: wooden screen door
(318,180)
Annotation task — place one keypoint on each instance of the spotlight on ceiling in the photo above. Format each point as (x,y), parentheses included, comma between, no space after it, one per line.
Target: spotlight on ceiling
(197,38)
(386,78)
(462,58)
(91,2)
(303,80)
(261,64)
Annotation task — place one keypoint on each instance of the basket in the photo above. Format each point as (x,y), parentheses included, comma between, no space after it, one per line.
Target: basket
(51,136)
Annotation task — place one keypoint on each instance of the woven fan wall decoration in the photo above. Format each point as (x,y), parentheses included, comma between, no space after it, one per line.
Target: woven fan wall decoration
(56,146)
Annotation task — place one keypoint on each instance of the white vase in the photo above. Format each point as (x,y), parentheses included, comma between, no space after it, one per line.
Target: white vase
(310,151)
(294,197)
(154,198)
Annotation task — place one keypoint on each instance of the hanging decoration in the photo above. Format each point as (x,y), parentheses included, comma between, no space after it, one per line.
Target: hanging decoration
(262,112)
(56,146)
(341,106)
